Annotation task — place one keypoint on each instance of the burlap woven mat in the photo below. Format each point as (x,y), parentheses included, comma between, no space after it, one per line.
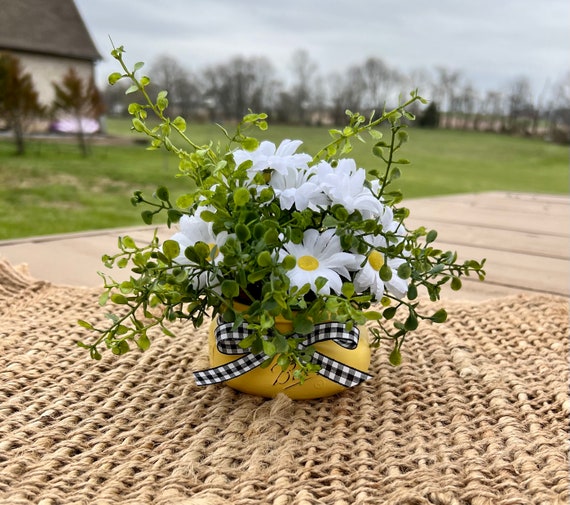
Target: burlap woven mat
(476,414)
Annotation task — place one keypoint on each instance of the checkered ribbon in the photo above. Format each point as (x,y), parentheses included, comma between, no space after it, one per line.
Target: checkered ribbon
(228,339)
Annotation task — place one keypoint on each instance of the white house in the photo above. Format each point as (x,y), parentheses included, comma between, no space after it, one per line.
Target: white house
(49,37)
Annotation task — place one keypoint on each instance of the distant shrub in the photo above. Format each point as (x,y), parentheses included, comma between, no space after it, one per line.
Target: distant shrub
(430,117)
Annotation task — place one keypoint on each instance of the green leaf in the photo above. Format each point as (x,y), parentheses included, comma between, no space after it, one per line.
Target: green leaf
(264,259)
(395,174)
(114,77)
(431,236)
(122,263)
(302,324)
(385,272)
(266,195)
(389,312)
(348,289)
(289,262)
(250,143)
(268,348)
(241,197)
(119,299)
(202,250)
(208,216)
(167,332)
(320,282)
(230,288)
(85,324)
(243,233)
(375,134)
(147,216)
(162,193)
(133,88)
(404,271)
(411,322)
(143,342)
(440,316)
(179,123)
(120,347)
(103,298)
(174,215)
(171,249)
(127,242)
(395,357)
(373,315)
(161,100)
(271,237)
(257,275)
(138,125)
(403,136)
(281,343)
(284,362)
(456,284)
(95,354)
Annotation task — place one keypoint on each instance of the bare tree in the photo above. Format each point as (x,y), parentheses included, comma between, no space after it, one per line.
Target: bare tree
(80,99)
(520,106)
(239,85)
(19,104)
(423,80)
(347,91)
(184,93)
(559,110)
(304,74)
(448,81)
(468,99)
(377,78)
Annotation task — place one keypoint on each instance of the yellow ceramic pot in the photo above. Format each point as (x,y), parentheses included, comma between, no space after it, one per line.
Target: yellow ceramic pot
(270,381)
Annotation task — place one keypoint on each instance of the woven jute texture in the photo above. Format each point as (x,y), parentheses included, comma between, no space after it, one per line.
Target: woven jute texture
(476,414)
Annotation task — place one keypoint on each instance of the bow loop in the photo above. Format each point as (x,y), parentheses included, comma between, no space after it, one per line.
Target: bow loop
(228,339)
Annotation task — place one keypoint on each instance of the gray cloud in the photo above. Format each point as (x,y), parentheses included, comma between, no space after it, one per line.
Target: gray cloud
(492,42)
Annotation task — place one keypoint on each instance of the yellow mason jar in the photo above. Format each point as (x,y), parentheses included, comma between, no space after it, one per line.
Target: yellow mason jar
(270,381)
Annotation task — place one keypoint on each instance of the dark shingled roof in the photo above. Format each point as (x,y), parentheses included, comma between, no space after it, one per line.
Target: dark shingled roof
(52,27)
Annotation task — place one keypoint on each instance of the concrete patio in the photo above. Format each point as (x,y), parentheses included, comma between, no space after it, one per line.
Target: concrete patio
(525,238)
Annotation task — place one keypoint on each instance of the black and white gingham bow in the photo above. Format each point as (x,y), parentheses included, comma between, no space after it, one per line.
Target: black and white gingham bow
(228,339)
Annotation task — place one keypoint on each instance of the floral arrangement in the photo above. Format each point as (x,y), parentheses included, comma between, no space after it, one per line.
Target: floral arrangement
(268,231)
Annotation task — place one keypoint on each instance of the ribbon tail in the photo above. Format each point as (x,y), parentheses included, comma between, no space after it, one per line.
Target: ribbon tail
(229,371)
(338,372)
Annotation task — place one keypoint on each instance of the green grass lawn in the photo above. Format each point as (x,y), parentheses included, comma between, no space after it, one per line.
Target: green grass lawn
(52,189)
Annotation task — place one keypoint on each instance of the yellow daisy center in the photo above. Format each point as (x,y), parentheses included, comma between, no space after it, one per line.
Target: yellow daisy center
(376,260)
(308,263)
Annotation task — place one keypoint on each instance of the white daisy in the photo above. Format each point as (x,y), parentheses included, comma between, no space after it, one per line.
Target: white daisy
(266,156)
(194,229)
(369,275)
(344,184)
(298,188)
(319,255)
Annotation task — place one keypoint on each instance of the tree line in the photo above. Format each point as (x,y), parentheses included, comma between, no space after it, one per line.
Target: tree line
(227,90)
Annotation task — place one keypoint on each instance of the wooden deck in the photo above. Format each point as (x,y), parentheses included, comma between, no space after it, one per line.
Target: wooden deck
(524,237)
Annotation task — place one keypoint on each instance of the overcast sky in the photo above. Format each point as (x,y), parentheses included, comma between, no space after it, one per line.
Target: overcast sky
(492,42)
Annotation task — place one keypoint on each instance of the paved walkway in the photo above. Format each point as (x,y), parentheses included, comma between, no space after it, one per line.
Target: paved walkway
(525,238)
